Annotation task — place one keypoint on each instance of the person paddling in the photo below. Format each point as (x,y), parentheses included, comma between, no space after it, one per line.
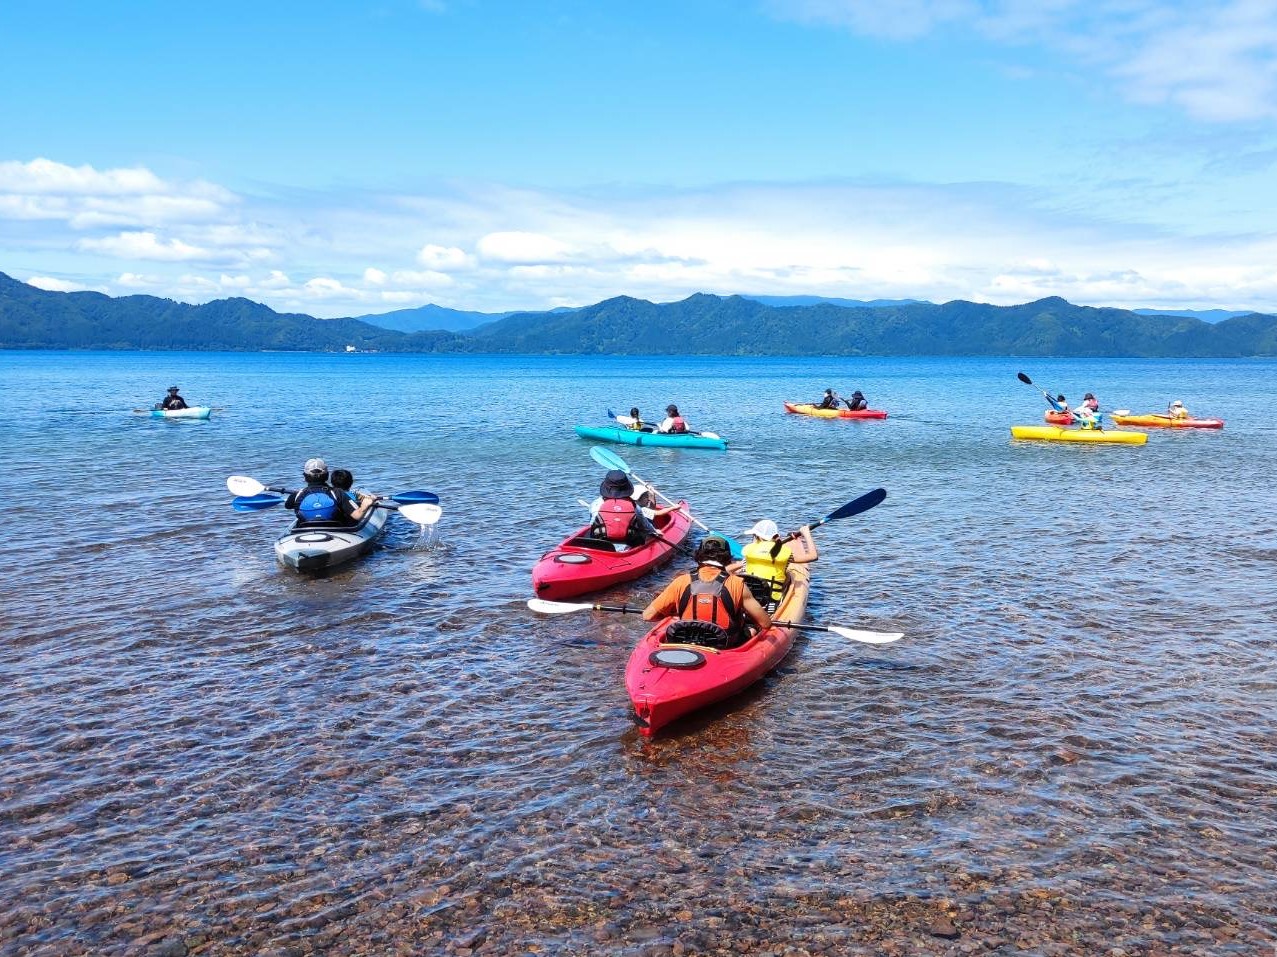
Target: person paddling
(318,501)
(636,421)
(857,402)
(714,607)
(830,400)
(766,561)
(620,513)
(673,422)
(1176,410)
(172,402)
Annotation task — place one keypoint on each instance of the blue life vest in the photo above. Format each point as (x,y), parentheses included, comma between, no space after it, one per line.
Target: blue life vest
(317,505)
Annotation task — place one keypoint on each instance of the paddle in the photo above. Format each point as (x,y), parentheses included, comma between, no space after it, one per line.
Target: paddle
(857,505)
(1027,381)
(255,503)
(610,460)
(628,420)
(420,513)
(853,634)
(243,486)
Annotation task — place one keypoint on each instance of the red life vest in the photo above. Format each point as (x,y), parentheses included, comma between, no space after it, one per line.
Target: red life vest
(677,424)
(617,517)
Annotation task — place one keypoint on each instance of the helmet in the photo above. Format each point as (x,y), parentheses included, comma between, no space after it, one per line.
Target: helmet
(315,469)
(764,529)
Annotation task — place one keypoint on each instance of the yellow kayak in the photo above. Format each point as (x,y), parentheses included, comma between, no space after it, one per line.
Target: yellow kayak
(1053,433)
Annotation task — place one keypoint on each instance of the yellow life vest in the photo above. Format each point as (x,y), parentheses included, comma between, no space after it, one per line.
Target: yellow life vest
(760,563)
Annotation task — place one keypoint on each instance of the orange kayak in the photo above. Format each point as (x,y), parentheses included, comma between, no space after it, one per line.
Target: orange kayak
(804,408)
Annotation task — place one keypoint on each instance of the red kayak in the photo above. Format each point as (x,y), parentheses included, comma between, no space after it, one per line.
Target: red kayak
(804,408)
(1058,418)
(584,564)
(695,676)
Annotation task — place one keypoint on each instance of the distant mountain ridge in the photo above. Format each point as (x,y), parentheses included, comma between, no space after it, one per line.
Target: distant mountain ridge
(702,324)
(431,316)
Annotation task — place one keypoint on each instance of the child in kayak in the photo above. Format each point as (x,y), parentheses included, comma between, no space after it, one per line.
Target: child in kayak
(830,400)
(713,606)
(765,567)
(636,422)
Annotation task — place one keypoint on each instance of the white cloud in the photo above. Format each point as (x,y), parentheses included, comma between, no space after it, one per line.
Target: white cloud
(1215,61)
(143,245)
(444,258)
(53,284)
(521,248)
(374,277)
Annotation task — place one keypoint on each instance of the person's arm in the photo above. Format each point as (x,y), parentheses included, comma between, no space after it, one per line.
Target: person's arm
(666,603)
(366,504)
(756,612)
(804,547)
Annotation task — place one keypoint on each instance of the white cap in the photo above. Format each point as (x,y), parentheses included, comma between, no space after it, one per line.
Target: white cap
(764,528)
(314,465)
(639,490)
(1177,402)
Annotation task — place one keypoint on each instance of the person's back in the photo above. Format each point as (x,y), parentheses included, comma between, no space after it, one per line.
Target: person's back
(712,605)
(318,501)
(857,402)
(673,421)
(830,400)
(636,421)
(1177,410)
(618,517)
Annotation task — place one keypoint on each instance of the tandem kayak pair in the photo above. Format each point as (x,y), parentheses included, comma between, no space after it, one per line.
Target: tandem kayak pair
(674,440)
(805,408)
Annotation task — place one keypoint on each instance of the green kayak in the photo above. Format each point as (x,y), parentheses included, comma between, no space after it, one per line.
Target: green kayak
(679,440)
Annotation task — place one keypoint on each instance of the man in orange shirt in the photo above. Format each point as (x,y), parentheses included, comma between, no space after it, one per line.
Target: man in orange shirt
(718,602)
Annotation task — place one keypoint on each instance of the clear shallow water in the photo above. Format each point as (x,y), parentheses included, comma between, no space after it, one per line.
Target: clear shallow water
(1072,751)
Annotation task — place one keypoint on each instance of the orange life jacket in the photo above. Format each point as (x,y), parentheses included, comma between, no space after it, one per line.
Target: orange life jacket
(709,601)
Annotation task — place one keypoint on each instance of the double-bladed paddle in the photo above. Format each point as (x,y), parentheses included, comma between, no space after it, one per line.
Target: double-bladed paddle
(421,508)
(245,487)
(1027,381)
(853,634)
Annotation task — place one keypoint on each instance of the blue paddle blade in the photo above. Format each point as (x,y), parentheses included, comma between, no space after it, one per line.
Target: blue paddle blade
(608,459)
(737,551)
(416,498)
(255,503)
(611,414)
(856,506)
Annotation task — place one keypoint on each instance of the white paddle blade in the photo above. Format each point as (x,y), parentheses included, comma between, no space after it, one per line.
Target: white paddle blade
(556,607)
(1120,412)
(625,419)
(243,485)
(422,513)
(710,435)
(868,637)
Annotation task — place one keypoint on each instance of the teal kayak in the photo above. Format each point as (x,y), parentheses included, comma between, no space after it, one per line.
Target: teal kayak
(678,440)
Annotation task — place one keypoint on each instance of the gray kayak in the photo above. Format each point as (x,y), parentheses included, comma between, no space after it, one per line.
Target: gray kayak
(315,546)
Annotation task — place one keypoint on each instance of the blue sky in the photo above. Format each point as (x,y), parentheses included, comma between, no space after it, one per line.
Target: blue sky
(342,158)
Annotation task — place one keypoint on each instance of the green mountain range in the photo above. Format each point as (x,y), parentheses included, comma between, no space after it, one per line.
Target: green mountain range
(32,318)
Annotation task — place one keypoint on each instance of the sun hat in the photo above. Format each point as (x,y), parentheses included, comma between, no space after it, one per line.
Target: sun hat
(764,529)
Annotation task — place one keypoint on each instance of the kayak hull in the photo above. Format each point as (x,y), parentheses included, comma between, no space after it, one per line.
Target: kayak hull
(1051,417)
(804,408)
(318,546)
(676,440)
(582,564)
(661,694)
(194,412)
(1054,433)
(1155,420)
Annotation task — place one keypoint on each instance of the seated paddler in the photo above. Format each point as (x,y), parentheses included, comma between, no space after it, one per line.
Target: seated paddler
(714,607)
(766,561)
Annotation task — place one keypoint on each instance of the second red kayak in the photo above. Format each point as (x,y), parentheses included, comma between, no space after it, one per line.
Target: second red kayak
(697,676)
(583,563)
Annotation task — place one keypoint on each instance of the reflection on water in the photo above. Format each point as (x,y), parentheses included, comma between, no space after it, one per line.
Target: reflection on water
(1071,752)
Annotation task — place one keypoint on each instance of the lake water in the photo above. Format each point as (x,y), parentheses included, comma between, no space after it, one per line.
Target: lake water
(1071,752)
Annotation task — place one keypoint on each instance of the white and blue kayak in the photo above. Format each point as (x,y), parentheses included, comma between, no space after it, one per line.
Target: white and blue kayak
(193,412)
(316,546)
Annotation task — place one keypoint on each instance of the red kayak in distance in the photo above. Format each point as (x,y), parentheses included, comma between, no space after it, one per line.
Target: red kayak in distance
(697,676)
(1057,418)
(582,563)
(804,408)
